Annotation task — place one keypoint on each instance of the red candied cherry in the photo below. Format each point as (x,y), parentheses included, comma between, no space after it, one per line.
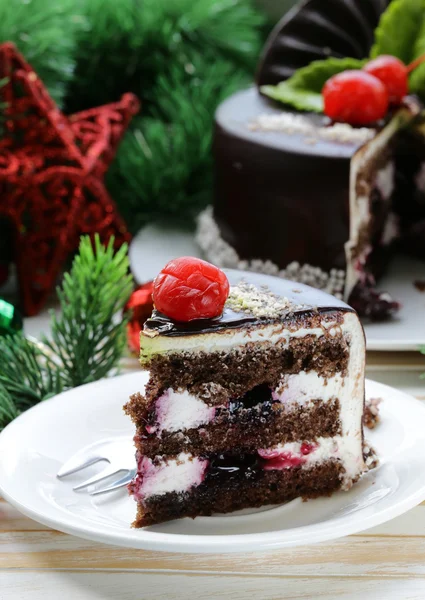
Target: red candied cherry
(355,97)
(392,72)
(189,288)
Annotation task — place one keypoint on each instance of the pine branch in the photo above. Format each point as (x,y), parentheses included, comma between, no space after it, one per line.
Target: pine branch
(163,169)
(88,334)
(8,408)
(27,373)
(45,32)
(127,45)
(87,337)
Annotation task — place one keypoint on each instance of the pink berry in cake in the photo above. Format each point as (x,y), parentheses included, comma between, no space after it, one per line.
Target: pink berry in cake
(355,97)
(189,288)
(392,72)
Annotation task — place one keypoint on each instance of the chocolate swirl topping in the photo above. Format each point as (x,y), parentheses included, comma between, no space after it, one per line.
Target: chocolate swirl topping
(317,29)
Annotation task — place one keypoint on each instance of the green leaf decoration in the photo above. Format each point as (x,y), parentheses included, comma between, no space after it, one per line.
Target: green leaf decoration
(417,76)
(303,91)
(400,30)
(8,408)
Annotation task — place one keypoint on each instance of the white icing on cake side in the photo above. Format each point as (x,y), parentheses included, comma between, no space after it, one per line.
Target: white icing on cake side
(360,210)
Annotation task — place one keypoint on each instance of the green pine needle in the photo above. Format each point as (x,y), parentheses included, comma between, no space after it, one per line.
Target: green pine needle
(45,33)
(127,45)
(8,408)
(164,167)
(27,373)
(88,333)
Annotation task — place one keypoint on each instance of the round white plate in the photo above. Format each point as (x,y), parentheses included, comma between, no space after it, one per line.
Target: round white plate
(407,330)
(154,246)
(36,444)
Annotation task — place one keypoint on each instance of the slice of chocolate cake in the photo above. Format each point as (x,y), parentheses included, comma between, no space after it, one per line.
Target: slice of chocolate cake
(258,405)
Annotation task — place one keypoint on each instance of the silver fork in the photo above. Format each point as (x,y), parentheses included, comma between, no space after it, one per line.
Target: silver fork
(119,453)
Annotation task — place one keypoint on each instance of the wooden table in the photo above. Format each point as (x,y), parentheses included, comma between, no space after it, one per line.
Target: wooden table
(387,562)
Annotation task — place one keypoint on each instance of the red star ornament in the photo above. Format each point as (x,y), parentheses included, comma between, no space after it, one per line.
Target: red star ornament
(51,175)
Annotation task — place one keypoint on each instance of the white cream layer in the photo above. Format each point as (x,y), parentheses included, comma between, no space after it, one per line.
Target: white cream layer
(174,475)
(187,471)
(179,410)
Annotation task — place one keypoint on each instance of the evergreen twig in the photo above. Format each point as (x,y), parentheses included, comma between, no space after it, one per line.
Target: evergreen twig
(46,34)
(27,373)
(86,337)
(88,334)
(8,408)
(127,45)
(163,169)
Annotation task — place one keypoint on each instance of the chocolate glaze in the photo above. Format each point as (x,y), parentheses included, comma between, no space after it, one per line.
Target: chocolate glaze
(277,197)
(227,320)
(316,29)
(304,300)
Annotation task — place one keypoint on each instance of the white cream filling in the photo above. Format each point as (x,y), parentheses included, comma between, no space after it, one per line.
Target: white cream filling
(420,178)
(303,388)
(341,448)
(174,475)
(385,180)
(178,410)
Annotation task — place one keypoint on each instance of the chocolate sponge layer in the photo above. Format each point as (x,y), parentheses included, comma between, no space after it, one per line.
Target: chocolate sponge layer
(242,429)
(242,490)
(238,371)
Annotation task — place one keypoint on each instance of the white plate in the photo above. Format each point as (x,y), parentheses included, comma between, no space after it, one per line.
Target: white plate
(35,445)
(407,330)
(154,246)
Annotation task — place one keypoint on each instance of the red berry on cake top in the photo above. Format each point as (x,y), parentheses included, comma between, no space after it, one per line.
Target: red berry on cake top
(355,97)
(392,72)
(189,288)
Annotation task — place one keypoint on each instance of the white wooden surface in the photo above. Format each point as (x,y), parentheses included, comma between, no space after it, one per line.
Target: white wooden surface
(387,562)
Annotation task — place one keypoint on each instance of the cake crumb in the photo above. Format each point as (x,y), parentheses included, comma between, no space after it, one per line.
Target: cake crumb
(419,285)
(371,416)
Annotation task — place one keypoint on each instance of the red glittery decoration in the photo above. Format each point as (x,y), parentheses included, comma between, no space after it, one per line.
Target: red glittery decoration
(140,305)
(51,175)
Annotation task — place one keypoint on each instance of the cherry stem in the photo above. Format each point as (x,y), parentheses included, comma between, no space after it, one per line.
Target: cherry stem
(418,61)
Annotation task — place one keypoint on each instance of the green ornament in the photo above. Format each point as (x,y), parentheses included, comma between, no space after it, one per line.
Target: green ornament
(10,318)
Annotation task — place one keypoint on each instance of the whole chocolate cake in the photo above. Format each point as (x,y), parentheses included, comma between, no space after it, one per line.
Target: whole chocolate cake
(306,198)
